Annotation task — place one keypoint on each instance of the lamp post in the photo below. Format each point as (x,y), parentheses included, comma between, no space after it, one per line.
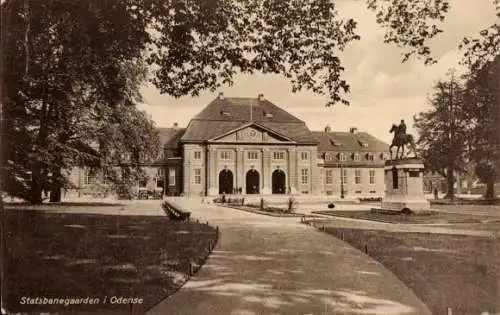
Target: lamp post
(341,181)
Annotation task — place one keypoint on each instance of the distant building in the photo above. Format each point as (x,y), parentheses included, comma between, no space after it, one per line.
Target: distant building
(251,146)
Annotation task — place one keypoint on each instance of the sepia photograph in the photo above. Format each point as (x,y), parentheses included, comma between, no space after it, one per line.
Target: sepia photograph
(250,157)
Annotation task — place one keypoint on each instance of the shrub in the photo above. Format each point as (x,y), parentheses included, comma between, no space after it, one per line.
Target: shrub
(370,199)
(292,204)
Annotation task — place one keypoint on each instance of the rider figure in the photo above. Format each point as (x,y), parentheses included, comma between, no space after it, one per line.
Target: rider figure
(402,127)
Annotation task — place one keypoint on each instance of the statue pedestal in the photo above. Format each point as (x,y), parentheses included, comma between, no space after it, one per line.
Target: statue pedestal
(405,186)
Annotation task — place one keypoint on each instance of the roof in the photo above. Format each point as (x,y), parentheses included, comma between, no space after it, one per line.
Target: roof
(224,115)
(347,141)
(169,137)
(239,109)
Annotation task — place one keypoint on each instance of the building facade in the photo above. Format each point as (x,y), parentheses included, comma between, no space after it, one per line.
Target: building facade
(251,146)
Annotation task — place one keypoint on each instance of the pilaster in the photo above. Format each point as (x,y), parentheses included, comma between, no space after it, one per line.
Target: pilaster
(212,169)
(316,178)
(240,168)
(186,165)
(266,176)
(292,170)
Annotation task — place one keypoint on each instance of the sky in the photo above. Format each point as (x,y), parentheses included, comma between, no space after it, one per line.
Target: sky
(383,89)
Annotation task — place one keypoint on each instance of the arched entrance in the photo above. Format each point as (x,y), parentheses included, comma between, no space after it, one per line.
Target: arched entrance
(279,182)
(252,182)
(225,182)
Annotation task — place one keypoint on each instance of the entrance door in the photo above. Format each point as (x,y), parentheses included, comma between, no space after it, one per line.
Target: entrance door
(279,182)
(225,182)
(252,182)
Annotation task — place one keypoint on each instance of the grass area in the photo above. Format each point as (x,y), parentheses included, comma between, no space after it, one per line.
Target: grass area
(272,211)
(428,218)
(79,255)
(460,272)
(465,201)
(17,205)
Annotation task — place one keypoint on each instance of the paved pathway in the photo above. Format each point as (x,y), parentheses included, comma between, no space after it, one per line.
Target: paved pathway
(268,265)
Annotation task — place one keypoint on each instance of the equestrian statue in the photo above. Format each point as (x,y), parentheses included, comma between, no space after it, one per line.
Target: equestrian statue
(401,138)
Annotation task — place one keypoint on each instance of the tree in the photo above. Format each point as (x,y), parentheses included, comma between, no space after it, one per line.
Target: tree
(482,104)
(69,71)
(443,132)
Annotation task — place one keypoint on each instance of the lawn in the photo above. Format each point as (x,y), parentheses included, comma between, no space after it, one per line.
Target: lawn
(271,211)
(98,256)
(460,272)
(428,218)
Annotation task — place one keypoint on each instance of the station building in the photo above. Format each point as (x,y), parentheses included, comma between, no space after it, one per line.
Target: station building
(241,145)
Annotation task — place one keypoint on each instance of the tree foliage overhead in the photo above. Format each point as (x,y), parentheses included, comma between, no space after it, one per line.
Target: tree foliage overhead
(203,44)
(410,24)
(483,49)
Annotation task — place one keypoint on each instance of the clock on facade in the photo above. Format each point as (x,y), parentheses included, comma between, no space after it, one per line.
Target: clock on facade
(252,133)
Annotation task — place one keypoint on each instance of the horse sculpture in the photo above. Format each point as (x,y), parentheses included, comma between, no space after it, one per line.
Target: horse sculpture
(400,140)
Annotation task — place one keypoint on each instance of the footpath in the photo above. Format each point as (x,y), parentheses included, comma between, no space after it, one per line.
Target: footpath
(269,265)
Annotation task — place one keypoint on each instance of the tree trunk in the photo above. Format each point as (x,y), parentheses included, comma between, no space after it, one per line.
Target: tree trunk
(490,189)
(35,192)
(56,186)
(450,182)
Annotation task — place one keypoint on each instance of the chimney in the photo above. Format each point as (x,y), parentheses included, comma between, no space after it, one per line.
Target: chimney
(176,125)
(353,130)
(328,128)
(260,97)
(221,96)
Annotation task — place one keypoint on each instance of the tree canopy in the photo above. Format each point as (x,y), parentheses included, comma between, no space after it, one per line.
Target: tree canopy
(444,131)
(482,105)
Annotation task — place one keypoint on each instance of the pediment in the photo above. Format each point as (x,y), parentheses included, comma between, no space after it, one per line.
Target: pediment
(253,133)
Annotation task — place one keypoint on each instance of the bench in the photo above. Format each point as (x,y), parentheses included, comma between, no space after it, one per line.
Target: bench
(174,212)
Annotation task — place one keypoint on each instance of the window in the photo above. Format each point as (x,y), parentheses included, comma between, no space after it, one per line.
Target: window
(197,176)
(344,176)
(414,174)
(252,155)
(88,177)
(328,156)
(160,178)
(341,157)
(225,155)
(329,176)
(329,192)
(171,176)
(335,143)
(357,176)
(106,177)
(304,156)
(355,157)
(370,156)
(279,155)
(143,183)
(225,113)
(304,176)
(197,155)
(372,177)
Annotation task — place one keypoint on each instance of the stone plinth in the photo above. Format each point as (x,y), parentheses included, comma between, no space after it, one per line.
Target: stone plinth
(405,186)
